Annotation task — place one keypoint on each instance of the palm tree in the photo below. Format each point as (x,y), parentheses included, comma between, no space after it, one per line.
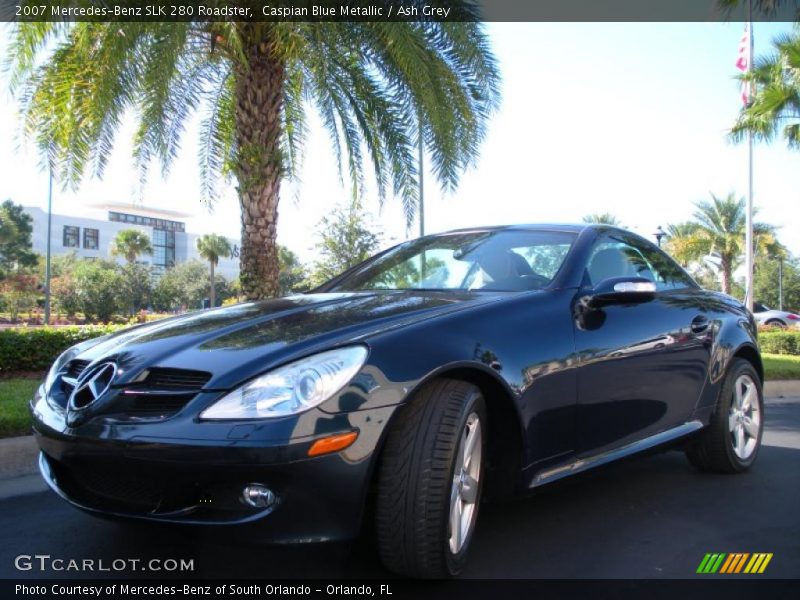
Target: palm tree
(719,228)
(602,218)
(211,247)
(679,236)
(775,105)
(130,243)
(377,86)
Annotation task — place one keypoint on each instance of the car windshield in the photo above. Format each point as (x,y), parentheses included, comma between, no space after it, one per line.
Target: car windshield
(500,260)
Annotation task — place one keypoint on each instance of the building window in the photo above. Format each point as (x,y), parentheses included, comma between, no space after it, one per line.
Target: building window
(147,221)
(91,238)
(163,249)
(72,236)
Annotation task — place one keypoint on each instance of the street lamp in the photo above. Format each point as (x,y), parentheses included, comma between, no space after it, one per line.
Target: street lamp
(47,291)
(659,234)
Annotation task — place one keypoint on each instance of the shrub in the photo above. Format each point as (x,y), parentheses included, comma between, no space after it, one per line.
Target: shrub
(98,287)
(19,294)
(35,349)
(182,286)
(780,342)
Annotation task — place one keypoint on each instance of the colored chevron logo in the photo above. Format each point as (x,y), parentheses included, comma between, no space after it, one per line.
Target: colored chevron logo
(736,562)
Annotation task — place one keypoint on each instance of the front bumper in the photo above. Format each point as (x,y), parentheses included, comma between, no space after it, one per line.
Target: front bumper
(197,473)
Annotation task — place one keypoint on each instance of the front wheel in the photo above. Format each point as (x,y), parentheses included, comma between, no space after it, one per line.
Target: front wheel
(732,439)
(430,480)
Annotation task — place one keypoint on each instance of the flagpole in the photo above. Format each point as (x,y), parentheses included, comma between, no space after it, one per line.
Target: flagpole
(420,168)
(749,291)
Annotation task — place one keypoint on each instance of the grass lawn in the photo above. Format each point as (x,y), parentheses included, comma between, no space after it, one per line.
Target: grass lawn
(781,366)
(14,397)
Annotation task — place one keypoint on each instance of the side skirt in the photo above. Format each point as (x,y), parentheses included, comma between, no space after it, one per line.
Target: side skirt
(584,464)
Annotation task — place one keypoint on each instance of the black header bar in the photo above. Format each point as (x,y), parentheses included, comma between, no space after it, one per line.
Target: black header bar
(277,11)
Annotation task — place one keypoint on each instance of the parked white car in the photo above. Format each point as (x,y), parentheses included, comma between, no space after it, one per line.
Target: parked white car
(777,318)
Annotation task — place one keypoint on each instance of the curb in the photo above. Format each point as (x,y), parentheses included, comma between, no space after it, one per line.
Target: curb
(781,389)
(18,456)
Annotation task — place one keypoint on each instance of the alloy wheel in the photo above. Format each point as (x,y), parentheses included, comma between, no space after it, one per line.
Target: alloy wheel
(744,418)
(466,478)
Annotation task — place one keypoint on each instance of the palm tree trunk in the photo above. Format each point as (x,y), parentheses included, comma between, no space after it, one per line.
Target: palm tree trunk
(212,294)
(259,95)
(726,277)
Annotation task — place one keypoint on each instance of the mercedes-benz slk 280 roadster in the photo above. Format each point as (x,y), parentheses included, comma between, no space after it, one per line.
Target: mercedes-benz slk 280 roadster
(448,370)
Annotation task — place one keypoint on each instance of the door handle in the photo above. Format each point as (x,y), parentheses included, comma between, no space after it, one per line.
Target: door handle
(699,324)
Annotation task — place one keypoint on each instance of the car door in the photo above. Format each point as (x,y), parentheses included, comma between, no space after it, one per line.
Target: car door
(642,365)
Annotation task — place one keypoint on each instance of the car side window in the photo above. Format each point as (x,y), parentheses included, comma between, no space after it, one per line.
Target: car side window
(668,275)
(618,257)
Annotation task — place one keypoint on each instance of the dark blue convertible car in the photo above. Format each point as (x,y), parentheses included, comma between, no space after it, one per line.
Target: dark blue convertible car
(443,372)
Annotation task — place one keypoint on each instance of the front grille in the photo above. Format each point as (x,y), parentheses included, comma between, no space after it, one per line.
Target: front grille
(73,370)
(157,393)
(164,377)
(142,492)
(158,405)
(107,486)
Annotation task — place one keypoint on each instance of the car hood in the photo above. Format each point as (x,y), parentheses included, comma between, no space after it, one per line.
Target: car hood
(235,343)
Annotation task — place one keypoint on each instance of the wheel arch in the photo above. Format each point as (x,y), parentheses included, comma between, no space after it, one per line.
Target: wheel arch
(751,354)
(504,427)
(505,431)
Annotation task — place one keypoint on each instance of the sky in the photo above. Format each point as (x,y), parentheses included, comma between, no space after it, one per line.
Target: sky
(628,118)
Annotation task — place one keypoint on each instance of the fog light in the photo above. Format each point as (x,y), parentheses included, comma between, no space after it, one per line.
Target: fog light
(258,496)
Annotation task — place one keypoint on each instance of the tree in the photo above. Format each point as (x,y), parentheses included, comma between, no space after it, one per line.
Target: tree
(211,247)
(137,286)
(719,228)
(775,105)
(98,288)
(345,241)
(64,294)
(130,243)
(16,230)
(377,86)
(182,286)
(19,293)
(602,218)
(765,282)
(293,272)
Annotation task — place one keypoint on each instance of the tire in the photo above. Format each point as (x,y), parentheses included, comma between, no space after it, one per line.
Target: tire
(776,323)
(417,484)
(720,447)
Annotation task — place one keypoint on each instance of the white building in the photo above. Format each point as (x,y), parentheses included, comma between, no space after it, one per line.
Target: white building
(91,238)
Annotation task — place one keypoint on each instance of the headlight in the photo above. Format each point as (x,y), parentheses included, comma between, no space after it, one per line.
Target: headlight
(291,389)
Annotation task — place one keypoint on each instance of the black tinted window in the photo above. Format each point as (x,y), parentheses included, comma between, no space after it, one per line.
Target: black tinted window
(500,260)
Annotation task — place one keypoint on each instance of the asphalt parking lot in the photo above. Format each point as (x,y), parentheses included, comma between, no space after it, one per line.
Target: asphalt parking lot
(651,517)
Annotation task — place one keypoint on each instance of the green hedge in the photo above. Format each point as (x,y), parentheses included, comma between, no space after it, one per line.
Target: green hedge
(35,348)
(780,342)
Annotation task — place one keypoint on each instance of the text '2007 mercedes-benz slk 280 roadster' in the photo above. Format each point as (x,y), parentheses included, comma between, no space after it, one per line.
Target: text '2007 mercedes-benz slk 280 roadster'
(448,370)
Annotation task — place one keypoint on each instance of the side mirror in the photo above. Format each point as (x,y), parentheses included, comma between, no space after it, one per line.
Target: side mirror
(620,290)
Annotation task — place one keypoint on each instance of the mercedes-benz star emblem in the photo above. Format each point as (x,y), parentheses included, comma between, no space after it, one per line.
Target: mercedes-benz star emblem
(91,385)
